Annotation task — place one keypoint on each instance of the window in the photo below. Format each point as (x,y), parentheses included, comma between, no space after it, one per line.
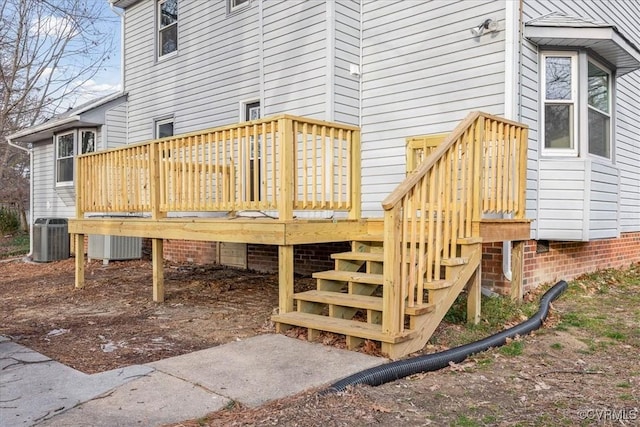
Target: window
(167,27)
(251,111)
(599,110)
(233,5)
(569,81)
(164,128)
(67,148)
(559,84)
(64,158)
(87,141)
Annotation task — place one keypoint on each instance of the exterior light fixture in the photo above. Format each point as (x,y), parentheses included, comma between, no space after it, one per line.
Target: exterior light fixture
(489,25)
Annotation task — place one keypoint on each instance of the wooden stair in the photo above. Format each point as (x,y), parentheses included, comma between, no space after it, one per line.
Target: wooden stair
(348,300)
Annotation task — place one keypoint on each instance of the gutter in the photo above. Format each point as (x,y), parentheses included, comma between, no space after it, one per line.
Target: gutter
(30,151)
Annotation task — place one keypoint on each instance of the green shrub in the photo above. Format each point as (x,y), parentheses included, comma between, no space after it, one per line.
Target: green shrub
(9,220)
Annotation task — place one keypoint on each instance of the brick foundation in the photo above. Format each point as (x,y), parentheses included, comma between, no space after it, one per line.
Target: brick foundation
(307,258)
(190,251)
(563,260)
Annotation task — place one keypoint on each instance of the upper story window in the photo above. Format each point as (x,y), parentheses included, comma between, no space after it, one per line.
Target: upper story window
(234,5)
(167,27)
(576,99)
(67,145)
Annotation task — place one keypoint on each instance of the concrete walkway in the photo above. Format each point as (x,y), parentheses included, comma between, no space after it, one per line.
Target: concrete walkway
(35,390)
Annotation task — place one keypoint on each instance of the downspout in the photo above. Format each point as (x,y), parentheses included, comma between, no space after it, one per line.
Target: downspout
(512,80)
(121,15)
(30,152)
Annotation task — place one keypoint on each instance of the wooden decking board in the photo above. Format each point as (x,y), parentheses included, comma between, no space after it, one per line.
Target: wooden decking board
(342,299)
(340,326)
(349,276)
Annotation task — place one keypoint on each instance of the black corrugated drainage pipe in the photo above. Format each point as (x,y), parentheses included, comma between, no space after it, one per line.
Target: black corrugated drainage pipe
(432,362)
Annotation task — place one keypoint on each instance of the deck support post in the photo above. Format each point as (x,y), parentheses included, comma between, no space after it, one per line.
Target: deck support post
(517,271)
(474,297)
(79,251)
(158,270)
(285,278)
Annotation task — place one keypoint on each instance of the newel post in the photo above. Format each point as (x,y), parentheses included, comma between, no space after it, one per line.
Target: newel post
(391,292)
(355,195)
(478,149)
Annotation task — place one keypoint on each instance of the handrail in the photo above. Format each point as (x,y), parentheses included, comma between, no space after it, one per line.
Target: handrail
(479,168)
(281,163)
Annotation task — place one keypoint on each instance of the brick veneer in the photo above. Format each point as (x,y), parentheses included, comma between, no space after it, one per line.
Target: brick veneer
(307,258)
(563,260)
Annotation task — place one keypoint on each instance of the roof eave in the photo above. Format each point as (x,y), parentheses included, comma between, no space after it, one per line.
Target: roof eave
(607,42)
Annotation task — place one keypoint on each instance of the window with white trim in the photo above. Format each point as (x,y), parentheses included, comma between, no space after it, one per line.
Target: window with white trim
(577,105)
(67,145)
(164,128)
(235,5)
(599,110)
(167,27)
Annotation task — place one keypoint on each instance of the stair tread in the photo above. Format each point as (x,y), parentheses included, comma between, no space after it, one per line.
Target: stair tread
(438,284)
(372,237)
(350,276)
(359,256)
(352,328)
(418,310)
(340,298)
(454,261)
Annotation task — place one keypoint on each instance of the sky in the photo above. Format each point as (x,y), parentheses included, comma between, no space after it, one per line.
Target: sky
(108,78)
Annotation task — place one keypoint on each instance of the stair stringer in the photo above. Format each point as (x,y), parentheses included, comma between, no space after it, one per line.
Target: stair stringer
(425,325)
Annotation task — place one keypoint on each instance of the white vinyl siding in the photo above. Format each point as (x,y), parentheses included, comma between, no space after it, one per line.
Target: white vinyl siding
(115,131)
(626,152)
(216,66)
(423,72)
(347,52)
(295,58)
(603,207)
(49,201)
(562,197)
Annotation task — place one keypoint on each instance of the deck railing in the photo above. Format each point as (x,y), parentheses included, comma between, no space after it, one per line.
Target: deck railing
(277,164)
(479,168)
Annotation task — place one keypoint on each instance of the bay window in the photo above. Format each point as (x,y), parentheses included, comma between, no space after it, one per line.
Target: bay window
(576,98)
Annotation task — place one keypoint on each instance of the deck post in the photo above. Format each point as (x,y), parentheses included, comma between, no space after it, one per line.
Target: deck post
(158,270)
(355,196)
(79,251)
(285,279)
(391,292)
(517,271)
(287,168)
(477,168)
(474,296)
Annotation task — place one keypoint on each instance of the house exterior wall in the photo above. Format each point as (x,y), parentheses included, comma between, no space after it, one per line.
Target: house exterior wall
(423,71)
(200,86)
(115,129)
(49,201)
(294,50)
(611,201)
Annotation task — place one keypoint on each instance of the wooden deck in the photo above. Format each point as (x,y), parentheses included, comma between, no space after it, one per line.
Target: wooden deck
(405,269)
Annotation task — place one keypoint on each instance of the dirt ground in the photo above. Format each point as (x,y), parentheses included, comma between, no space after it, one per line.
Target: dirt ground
(583,368)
